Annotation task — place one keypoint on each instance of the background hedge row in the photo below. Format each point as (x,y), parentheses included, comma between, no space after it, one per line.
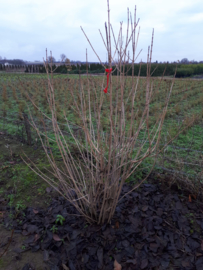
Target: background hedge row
(183,70)
(156,70)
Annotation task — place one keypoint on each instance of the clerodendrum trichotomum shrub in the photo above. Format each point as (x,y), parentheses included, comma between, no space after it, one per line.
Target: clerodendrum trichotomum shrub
(108,145)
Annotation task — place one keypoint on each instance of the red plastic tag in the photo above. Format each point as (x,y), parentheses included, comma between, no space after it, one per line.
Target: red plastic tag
(108,70)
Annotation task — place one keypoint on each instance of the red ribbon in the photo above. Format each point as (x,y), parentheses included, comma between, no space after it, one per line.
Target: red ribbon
(108,70)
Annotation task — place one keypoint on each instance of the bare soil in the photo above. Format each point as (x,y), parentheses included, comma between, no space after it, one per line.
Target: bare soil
(136,238)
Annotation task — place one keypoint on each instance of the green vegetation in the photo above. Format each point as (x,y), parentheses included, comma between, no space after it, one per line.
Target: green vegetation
(185,103)
(183,70)
(59,219)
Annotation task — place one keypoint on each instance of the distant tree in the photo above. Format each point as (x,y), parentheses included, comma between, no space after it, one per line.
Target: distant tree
(0,58)
(51,59)
(63,57)
(68,64)
(184,61)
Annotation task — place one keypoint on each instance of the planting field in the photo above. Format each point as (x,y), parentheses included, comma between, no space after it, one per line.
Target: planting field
(183,157)
(23,190)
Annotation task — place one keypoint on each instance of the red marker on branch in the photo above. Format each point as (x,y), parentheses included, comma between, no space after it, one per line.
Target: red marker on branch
(108,70)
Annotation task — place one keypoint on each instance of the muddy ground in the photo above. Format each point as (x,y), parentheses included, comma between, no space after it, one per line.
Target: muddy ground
(20,187)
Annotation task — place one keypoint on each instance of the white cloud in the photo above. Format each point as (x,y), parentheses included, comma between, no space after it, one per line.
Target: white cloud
(196,18)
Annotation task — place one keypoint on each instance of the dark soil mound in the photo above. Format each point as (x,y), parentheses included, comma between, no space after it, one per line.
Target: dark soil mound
(149,230)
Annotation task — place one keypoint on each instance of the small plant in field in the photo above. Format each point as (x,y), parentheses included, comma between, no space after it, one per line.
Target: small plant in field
(59,219)
(177,109)
(19,206)
(23,247)
(54,229)
(28,199)
(4,94)
(14,93)
(11,199)
(11,215)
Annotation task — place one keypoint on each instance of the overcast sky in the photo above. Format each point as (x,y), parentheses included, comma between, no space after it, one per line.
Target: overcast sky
(27,28)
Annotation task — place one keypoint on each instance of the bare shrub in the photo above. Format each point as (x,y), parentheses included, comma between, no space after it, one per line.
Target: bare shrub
(92,180)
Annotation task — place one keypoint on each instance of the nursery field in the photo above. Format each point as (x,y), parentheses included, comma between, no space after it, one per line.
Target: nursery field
(183,155)
(20,188)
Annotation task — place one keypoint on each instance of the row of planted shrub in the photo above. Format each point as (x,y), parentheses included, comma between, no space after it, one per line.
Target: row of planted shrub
(156,69)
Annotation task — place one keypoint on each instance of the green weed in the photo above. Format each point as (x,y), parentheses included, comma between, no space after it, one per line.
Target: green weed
(54,229)
(60,219)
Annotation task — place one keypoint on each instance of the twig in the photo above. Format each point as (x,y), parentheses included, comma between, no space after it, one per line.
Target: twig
(8,244)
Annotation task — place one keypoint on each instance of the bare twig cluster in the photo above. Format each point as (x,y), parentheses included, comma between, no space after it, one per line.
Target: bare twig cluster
(92,181)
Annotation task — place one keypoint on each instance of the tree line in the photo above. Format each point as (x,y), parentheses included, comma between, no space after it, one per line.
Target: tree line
(183,70)
(157,70)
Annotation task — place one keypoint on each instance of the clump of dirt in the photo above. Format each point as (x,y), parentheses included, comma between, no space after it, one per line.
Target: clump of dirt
(17,256)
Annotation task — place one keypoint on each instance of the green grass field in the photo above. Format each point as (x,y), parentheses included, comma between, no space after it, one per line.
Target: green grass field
(185,102)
